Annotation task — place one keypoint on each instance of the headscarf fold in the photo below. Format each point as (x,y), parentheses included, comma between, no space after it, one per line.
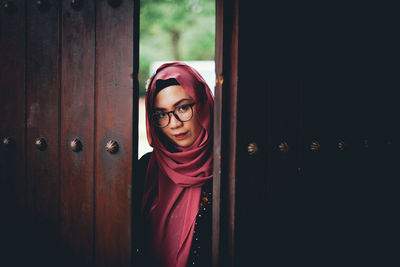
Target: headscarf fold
(175,174)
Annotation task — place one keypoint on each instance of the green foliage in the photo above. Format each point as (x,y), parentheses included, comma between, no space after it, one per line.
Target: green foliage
(175,30)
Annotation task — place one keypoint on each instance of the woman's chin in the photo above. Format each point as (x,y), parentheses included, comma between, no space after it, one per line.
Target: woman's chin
(183,142)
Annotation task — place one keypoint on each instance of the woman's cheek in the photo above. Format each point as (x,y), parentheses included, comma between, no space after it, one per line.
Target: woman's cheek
(166,133)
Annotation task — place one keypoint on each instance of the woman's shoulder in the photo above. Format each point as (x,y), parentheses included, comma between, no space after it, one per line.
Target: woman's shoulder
(140,241)
(144,160)
(141,169)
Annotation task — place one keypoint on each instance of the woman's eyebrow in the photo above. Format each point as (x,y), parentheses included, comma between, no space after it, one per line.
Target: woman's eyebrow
(176,104)
(180,101)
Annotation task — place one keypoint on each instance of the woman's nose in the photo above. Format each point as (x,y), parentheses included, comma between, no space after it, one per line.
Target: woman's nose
(174,122)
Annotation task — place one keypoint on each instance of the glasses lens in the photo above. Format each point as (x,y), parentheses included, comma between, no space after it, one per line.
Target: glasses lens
(160,119)
(184,112)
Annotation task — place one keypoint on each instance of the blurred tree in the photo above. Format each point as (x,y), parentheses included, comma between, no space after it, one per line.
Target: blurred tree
(175,30)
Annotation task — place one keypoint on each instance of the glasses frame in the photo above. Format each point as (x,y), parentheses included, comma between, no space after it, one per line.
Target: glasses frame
(173,113)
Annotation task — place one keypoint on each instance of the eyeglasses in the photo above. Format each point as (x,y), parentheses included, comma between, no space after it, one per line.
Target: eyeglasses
(182,113)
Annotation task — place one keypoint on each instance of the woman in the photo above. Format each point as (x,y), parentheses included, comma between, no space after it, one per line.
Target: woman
(176,191)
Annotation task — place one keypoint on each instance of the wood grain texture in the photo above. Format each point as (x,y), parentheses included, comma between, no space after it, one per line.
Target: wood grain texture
(43,121)
(114,99)
(77,121)
(12,124)
(217,238)
(225,133)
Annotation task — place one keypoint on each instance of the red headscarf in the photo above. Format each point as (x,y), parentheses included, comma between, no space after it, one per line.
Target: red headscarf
(174,176)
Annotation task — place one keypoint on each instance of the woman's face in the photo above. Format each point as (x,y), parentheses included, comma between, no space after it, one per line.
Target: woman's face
(180,133)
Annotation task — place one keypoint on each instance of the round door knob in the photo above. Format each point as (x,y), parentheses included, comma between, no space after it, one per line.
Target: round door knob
(9,7)
(40,143)
(283,147)
(77,4)
(315,146)
(43,5)
(76,145)
(7,141)
(112,147)
(252,148)
(341,145)
(114,3)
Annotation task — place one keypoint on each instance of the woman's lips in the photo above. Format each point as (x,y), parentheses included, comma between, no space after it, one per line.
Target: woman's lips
(180,135)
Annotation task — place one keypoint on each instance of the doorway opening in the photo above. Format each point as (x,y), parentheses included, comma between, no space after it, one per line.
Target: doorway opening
(174,30)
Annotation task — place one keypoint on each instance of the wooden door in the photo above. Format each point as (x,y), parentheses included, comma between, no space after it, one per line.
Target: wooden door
(68,128)
(305,134)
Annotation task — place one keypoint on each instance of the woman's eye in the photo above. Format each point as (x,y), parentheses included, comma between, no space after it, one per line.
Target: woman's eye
(183,108)
(160,115)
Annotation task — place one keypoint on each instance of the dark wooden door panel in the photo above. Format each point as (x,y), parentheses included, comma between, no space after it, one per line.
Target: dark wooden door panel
(114,117)
(321,78)
(43,187)
(77,123)
(12,121)
(68,75)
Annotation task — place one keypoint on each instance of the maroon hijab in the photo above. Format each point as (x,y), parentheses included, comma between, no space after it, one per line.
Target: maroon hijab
(175,174)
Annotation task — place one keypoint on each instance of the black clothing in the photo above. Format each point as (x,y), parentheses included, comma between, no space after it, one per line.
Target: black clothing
(200,252)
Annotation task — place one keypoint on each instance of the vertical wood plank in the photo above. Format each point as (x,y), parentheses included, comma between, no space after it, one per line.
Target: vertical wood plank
(77,122)
(315,125)
(267,108)
(114,99)
(43,121)
(270,191)
(217,217)
(12,125)
(226,60)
